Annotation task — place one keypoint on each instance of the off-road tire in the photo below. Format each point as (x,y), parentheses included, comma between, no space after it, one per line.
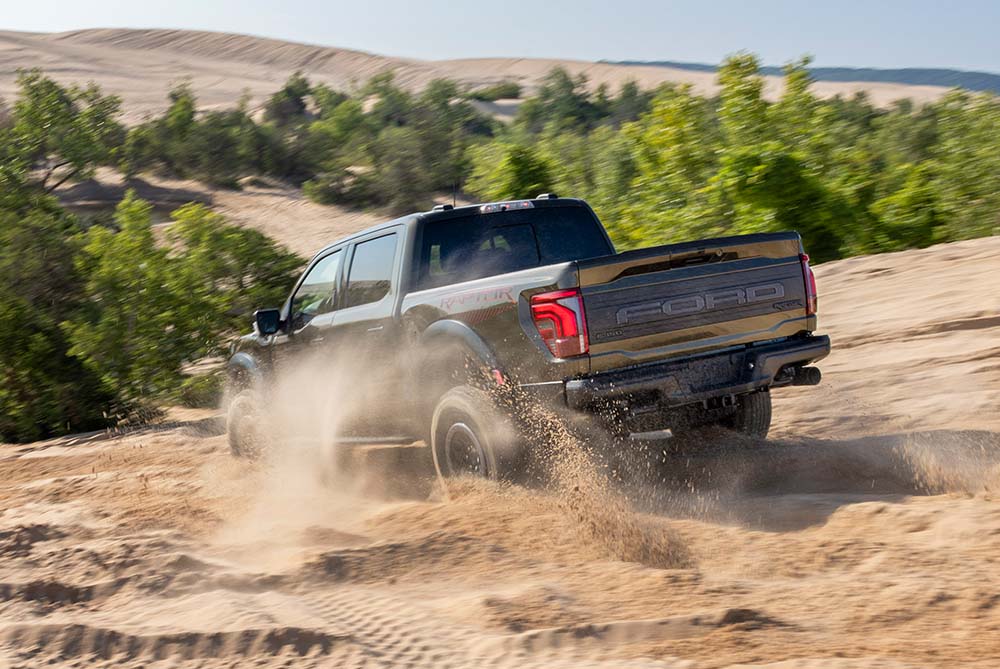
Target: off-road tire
(752,417)
(469,436)
(244,426)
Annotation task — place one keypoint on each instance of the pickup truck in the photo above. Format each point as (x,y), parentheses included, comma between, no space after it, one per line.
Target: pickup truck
(530,296)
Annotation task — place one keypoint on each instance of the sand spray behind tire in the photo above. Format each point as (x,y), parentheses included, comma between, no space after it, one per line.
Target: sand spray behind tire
(944,461)
(602,516)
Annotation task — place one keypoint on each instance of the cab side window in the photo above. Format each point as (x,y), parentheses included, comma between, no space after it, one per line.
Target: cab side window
(370,277)
(318,292)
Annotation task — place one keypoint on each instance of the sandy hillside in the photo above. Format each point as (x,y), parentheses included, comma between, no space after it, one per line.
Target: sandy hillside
(866,534)
(141,66)
(279,211)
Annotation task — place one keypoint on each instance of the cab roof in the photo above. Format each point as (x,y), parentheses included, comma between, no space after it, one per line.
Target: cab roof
(446,211)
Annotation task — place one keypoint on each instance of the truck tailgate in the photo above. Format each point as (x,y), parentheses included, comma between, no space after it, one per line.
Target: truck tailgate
(684,298)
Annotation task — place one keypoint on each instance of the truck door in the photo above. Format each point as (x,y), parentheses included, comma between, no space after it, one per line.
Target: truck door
(368,333)
(311,307)
(299,350)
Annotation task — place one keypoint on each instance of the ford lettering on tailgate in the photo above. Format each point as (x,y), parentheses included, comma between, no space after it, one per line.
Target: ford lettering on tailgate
(645,312)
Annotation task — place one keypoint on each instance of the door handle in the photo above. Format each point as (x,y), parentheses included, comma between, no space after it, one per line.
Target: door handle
(377,328)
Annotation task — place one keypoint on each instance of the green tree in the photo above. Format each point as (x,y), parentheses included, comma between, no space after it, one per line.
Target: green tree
(504,90)
(675,152)
(180,115)
(390,104)
(44,391)
(743,111)
(562,100)
(445,123)
(228,269)
(506,172)
(398,159)
(793,116)
(631,103)
(61,133)
(966,165)
(772,191)
(216,151)
(327,99)
(909,216)
(288,105)
(130,330)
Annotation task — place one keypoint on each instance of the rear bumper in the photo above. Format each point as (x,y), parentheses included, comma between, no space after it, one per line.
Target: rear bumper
(692,379)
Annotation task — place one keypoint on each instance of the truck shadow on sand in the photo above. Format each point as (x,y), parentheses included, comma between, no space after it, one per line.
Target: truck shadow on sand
(789,484)
(777,485)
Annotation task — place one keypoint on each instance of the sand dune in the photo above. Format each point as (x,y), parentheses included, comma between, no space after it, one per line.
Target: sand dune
(865,534)
(141,65)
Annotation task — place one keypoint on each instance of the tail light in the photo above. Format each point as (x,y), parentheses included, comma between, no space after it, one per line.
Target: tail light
(561,322)
(810,279)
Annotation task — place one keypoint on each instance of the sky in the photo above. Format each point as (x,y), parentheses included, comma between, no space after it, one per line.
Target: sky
(961,34)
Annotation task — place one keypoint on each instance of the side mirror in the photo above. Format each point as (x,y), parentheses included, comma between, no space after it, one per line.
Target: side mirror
(268,321)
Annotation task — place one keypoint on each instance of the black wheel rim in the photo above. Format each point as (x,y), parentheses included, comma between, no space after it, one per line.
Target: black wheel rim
(463,452)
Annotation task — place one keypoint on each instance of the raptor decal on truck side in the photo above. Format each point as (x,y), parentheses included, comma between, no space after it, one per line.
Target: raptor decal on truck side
(698,302)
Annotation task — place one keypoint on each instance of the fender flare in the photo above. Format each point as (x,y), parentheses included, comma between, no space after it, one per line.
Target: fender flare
(243,368)
(452,331)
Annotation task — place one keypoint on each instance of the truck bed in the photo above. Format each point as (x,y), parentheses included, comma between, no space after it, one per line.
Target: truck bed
(685,298)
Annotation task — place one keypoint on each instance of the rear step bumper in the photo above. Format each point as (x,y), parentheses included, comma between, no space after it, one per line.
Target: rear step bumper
(693,379)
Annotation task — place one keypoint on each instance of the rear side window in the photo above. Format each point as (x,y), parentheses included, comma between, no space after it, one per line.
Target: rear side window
(370,276)
(481,245)
(562,238)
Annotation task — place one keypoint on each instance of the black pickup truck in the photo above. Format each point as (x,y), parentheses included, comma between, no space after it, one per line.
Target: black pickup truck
(530,295)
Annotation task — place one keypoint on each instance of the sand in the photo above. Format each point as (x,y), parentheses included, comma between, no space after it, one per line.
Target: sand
(142,65)
(866,533)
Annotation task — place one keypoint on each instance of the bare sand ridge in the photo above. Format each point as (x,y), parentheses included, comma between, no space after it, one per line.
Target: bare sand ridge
(142,65)
(866,534)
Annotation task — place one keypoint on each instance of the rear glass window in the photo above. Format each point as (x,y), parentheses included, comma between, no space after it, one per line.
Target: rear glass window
(481,245)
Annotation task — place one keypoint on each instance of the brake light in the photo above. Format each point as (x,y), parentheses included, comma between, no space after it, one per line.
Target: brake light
(810,279)
(560,320)
(494,207)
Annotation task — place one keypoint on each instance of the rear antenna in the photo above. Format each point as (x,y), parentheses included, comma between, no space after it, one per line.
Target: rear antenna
(454,190)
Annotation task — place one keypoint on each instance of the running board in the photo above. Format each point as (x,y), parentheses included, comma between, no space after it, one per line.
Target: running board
(375,441)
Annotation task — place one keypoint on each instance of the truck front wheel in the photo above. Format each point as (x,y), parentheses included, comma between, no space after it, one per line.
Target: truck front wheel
(245,425)
(470,437)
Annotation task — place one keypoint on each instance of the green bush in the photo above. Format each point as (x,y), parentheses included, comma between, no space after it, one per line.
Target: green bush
(344,188)
(505,90)
(45,391)
(203,391)
(147,310)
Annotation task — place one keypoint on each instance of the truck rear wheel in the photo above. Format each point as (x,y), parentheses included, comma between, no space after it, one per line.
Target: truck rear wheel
(470,437)
(752,416)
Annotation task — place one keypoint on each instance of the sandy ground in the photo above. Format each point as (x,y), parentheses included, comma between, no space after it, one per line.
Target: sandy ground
(865,534)
(142,65)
